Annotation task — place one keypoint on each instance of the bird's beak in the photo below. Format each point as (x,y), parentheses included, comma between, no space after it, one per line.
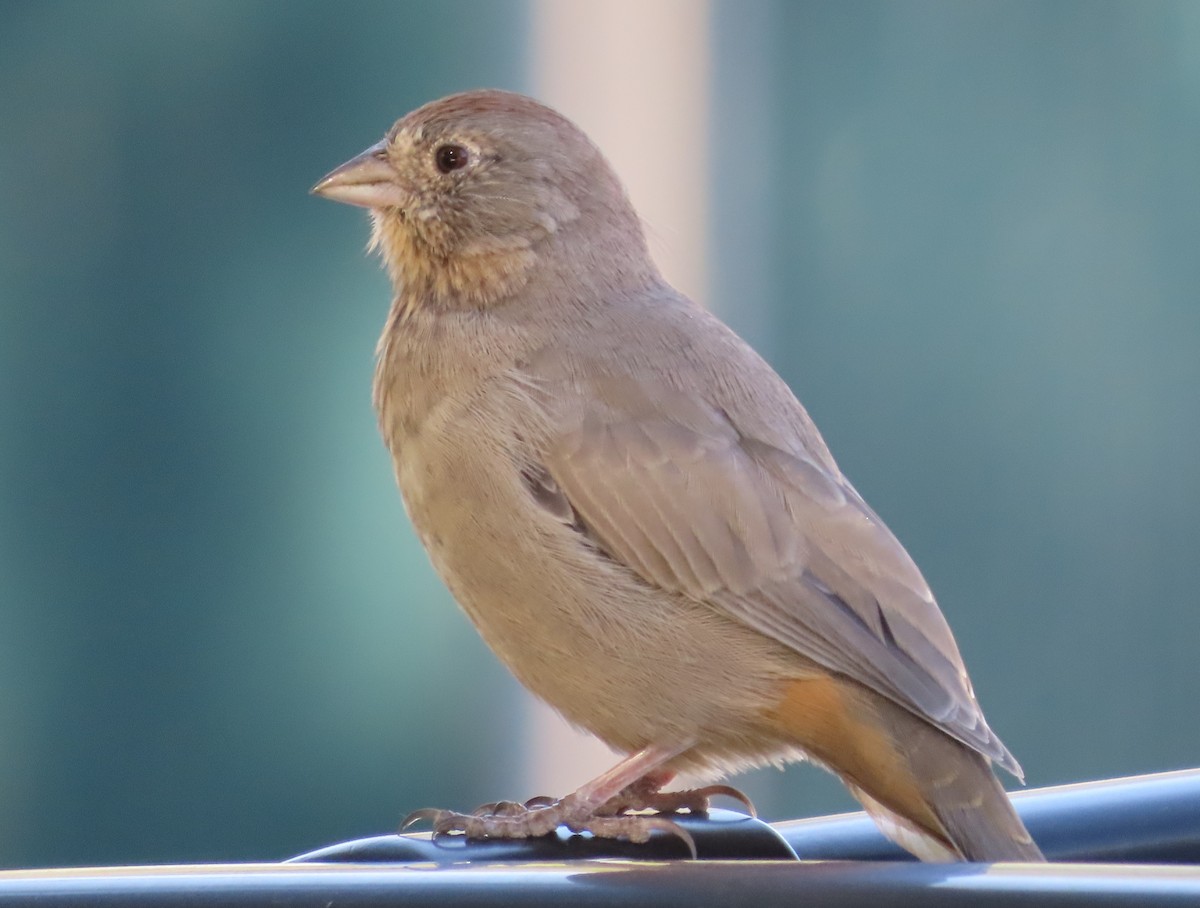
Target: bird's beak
(367,180)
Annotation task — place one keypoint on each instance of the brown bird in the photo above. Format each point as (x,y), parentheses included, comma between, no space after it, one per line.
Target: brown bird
(633,508)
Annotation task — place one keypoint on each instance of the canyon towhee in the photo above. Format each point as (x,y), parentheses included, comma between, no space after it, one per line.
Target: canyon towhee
(633,508)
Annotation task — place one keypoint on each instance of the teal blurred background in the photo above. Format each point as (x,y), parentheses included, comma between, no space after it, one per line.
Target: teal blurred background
(967,235)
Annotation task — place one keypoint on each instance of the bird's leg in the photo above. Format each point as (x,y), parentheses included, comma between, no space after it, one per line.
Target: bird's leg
(584,810)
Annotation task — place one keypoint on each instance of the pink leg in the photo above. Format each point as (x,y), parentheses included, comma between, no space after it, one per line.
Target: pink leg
(632,769)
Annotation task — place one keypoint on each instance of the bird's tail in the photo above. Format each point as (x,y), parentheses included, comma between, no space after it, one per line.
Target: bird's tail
(928,792)
(968,815)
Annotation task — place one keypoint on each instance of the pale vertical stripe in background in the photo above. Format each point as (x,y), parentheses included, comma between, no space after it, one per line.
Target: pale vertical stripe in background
(634,74)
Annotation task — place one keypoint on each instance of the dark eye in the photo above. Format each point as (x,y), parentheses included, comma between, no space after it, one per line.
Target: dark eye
(450,157)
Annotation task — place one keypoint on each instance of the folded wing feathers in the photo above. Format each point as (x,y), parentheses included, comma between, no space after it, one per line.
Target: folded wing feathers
(776,541)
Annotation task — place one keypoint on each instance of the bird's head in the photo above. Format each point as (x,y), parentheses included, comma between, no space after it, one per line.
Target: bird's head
(473,194)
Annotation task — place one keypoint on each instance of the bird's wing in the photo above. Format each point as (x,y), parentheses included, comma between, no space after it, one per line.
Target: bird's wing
(774,538)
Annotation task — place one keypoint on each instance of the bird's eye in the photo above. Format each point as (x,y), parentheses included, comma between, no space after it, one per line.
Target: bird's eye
(450,157)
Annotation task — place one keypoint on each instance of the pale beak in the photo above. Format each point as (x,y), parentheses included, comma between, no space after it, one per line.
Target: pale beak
(367,180)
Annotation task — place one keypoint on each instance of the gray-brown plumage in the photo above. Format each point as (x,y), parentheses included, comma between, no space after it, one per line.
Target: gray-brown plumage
(632,507)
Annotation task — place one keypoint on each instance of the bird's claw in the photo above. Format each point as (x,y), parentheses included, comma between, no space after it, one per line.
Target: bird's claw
(433,814)
(708,792)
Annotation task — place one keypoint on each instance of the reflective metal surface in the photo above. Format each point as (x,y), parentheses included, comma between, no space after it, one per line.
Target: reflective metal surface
(1143,835)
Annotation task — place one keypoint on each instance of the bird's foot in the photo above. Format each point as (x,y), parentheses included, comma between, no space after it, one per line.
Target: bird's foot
(541,816)
(645,794)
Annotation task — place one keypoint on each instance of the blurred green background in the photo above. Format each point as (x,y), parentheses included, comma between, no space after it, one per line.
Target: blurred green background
(967,235)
